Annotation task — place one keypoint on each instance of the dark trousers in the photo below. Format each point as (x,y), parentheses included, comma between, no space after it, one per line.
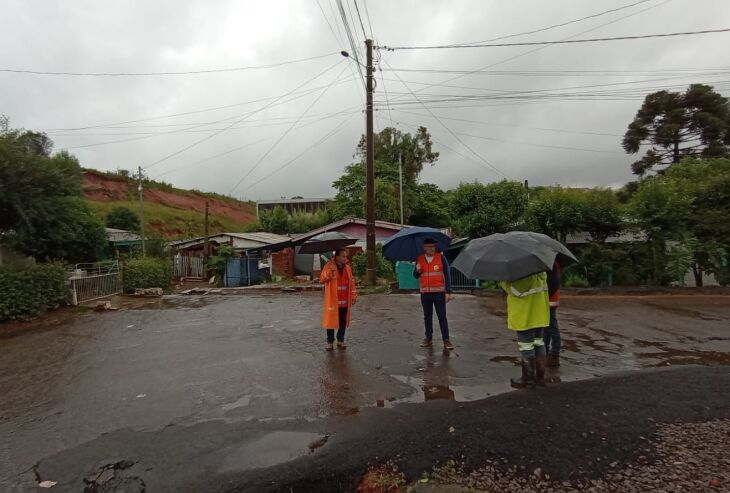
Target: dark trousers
(530,343)
(342,312)
(552,334)
(429,301)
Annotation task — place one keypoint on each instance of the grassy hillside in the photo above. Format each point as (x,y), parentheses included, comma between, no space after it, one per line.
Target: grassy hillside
(169,212)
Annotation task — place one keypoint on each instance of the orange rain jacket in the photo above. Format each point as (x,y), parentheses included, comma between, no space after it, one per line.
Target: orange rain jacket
(328,277)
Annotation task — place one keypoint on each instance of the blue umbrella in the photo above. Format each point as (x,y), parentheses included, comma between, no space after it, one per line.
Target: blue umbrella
(407,244)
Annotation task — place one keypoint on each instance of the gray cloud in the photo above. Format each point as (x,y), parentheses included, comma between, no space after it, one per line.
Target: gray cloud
(137,36)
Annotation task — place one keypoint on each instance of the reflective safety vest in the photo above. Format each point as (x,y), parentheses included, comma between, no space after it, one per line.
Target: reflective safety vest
(432,279)
(343,289)
(527,302)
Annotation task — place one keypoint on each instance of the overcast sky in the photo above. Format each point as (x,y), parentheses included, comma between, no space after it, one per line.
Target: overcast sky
(532,117)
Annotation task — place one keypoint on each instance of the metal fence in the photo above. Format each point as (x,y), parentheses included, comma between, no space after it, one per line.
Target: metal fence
(460,281)
(90,282)
(188,266)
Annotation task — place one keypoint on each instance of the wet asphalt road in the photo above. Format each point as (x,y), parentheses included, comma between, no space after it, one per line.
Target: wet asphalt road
(191,386)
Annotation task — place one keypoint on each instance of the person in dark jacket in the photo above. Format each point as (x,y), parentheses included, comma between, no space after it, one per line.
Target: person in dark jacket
(552,333)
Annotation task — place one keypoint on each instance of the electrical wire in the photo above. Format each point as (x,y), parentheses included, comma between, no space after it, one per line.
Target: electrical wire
(539,48)
(194,126)
(364,34)
(263,156)
(150,74)
(229,151)
(291,161)
(208,137)
(490,165)
(558,42)
(367,16)
(547,129)
(562,24)
(193,112)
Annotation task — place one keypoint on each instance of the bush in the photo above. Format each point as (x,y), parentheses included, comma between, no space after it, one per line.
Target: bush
(147,273)
(383,267)
(29,291)
(576,281)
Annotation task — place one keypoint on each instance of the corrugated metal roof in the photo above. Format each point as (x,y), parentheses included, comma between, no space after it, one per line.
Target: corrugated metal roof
(262,237)
(115,235)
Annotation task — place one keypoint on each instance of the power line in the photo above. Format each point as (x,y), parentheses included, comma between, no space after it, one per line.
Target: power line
(558,42)
(571,73)
(350,114)
(367,16)
(539,48)
(192,112)
(364,34)
(338,40)
(259,123)
(208,137)
(562,24)
(547,129)
(193,126)
(286,132)
(150,74)
(291,161)
(451,131)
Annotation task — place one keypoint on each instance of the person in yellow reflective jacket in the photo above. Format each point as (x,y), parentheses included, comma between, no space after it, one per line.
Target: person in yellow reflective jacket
(528,313)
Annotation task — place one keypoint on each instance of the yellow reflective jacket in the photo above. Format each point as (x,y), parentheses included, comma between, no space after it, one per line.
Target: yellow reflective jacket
(527,302)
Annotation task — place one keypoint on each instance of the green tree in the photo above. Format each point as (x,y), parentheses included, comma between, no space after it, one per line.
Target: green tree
(390,146)
(480,210)
(675,125)
(431,207)
(602,215)
(122,218)
(42,212)
(660,208)
(557,212)
(414,151)
(278,221)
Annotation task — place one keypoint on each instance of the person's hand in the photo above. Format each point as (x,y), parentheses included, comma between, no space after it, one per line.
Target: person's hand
(418,267)
(449,297)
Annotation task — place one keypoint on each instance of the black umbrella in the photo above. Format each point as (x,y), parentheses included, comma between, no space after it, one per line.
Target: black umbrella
(564,255)
(327,242)
(510,256)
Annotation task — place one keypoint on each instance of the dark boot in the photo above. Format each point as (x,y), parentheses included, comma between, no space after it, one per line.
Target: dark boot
(540,370)
(528,375)
(553,360)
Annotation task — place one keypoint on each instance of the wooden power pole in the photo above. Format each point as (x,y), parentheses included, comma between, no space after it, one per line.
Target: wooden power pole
(370,169)
(206,252)
(141,210)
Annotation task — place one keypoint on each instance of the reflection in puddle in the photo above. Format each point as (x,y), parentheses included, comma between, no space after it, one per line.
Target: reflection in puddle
(338,396)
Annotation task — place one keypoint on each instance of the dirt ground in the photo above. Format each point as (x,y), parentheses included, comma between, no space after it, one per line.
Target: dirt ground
(191,386)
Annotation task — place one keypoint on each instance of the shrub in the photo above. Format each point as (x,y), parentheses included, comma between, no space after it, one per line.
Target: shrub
(383,266)
(29,291)
(576,281)
(147,273)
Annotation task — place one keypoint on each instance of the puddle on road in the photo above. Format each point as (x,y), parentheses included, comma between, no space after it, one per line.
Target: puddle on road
(272,449)
(671,356)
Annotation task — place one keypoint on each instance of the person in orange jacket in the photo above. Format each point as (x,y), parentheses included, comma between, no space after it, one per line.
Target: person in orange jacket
(339,296)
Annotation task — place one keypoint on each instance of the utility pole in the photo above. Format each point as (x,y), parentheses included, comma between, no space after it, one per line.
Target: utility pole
(141,210)
(370,169)
(400,175)
(205,243)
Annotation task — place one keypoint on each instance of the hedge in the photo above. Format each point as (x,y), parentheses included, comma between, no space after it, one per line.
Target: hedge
(146,273)
(26,292)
